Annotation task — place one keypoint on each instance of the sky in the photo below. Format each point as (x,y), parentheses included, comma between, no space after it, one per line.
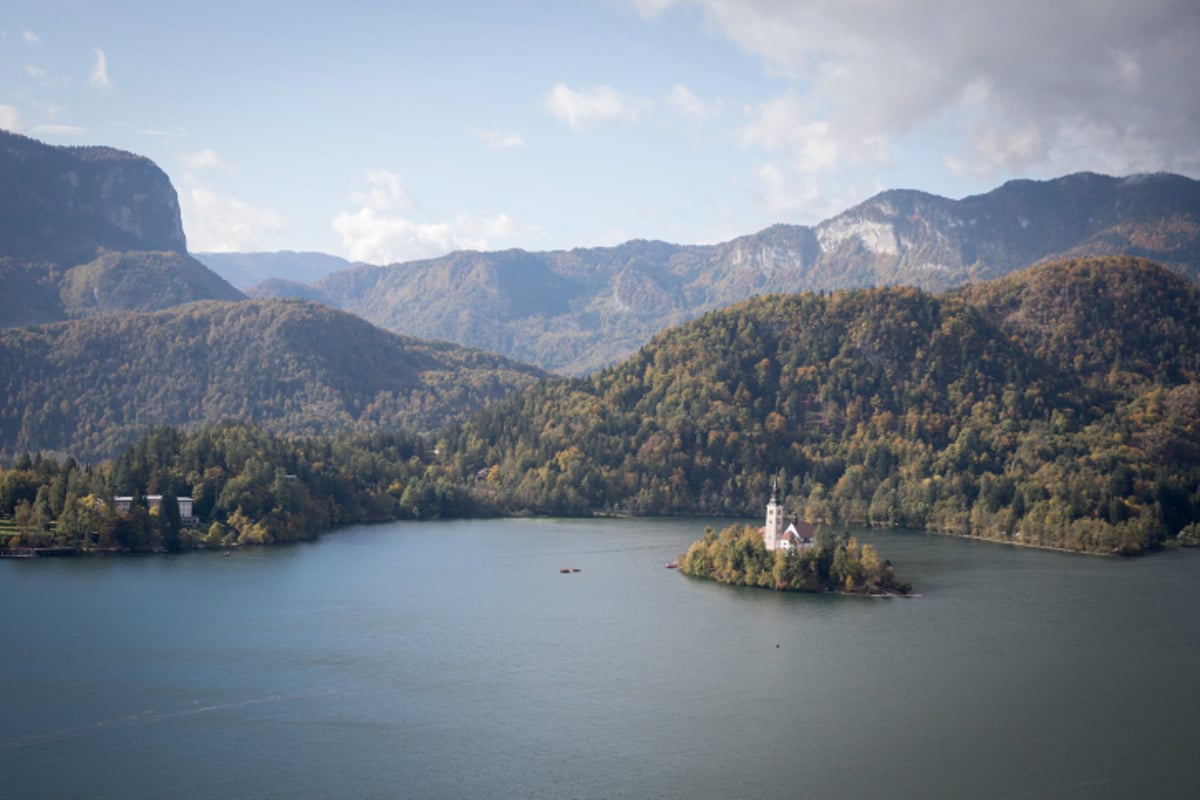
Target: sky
(385,132)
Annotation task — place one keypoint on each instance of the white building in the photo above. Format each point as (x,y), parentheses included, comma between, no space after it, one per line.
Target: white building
(795,538)
(153,501)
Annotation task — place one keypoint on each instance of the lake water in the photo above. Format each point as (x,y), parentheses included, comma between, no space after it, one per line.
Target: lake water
(453,660)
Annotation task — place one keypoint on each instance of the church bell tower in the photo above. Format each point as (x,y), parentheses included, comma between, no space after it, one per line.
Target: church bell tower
(774,526)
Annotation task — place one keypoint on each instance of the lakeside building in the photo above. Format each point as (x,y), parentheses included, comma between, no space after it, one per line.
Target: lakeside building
(153,501)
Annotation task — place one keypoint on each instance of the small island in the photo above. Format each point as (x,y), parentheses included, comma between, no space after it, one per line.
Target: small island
(798,559)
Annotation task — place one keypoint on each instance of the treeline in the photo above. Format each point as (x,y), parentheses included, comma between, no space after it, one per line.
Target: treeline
(1032,418)
(248,487)
(833,563)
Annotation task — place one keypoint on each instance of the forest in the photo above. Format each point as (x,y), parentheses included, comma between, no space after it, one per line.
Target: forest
(248,487)
(1058,407)
(90,387)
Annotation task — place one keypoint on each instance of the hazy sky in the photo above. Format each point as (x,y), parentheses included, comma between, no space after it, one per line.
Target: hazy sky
(393,131)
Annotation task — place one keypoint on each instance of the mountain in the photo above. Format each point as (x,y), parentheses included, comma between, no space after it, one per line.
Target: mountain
(89,230)
(574,311)
(90,386)
(246,270)
(1013,411)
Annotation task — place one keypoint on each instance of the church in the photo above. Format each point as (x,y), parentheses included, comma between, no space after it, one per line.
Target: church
(795,538)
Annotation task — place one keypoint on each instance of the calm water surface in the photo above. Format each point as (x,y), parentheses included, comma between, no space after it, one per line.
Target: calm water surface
(452,660)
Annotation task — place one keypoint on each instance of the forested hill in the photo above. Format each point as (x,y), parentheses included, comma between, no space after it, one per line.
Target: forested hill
(575,311)
(988,413)
(91,230)
(89,387)
(1117,322)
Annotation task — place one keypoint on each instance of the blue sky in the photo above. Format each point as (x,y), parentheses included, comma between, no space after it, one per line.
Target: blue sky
(392,131)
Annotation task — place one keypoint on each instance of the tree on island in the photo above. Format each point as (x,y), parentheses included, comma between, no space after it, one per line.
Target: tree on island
(738,556)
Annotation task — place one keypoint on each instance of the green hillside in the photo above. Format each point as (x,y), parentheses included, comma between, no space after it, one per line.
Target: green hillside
(892,407)
(90,386)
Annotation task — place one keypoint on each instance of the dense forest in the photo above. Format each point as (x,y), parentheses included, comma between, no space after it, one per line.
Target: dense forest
(248,487)
(834,563)
(89,387)
(1057,408)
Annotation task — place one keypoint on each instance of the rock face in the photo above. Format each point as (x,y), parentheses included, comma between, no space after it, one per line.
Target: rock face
(60,202)
(575,311)
(91,230)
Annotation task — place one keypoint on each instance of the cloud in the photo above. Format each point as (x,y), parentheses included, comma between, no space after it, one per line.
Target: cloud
(218,224)
(367,236)
(171,130)
(499,140)
(789,123)
(579,109)
(387,191)
(10,120)
(99,77)
(371,235)
(203,159)
(34,72)
(31,38)
(684,101)
(1002,87)
(54,129)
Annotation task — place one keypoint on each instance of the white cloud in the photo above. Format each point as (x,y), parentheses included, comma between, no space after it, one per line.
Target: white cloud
(34,72)
(387,191)
(10,120)
(99,77)
(215,223)
(203,159)
(485,231)
(788,123)
(55,129)
(499,140)
(31,38)
(579,109)
(367,236)
(1069,85)
(371,235)
(170,130)
(684,101)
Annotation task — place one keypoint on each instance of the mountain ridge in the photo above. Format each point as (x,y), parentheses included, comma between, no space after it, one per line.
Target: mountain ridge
(573,311)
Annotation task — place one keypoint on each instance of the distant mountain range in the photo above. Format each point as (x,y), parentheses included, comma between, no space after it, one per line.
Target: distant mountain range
(244,270)
(91,230)
(574,311)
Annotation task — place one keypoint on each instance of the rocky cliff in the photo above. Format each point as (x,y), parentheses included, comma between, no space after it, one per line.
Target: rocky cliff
(87,230)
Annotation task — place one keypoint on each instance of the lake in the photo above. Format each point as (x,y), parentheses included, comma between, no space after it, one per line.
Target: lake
(453,660)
